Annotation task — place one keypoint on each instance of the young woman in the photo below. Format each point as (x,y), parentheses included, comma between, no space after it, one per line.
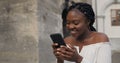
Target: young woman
(84,45)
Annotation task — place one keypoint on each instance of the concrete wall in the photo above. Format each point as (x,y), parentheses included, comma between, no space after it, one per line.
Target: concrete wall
(18,31)
(49,22)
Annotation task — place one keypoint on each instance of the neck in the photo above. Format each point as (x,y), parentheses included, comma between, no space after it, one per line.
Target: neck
(85,35)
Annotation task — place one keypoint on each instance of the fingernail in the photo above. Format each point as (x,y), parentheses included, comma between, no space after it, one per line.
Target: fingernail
(69,44)
(58,49)
(57,52)
(61,46)
(56,44)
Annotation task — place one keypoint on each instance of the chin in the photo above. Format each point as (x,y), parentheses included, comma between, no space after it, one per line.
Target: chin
(75,35)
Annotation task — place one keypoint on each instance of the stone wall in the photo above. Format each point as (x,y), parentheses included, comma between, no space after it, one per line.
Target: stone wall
(18,31)
(49,22)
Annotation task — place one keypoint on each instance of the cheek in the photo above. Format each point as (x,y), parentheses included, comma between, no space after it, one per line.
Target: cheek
(81,27)
(67,27)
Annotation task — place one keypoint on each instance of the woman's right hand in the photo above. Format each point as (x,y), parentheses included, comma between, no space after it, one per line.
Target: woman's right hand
(55,52)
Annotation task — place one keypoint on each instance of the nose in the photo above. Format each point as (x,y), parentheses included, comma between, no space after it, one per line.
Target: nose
(70,26)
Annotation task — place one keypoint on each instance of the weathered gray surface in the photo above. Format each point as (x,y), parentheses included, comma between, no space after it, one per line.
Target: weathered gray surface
(18,31)
(49,22)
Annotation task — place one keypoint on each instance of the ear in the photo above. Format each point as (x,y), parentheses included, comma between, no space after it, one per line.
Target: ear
(88,22)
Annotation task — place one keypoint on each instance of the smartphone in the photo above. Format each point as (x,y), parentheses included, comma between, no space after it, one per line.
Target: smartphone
(57,38)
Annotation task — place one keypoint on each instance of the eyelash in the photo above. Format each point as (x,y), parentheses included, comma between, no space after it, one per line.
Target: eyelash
(76,23)
(68,23)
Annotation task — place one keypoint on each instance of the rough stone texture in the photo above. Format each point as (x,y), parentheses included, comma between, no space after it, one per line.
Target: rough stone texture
(18,31)
(49,22)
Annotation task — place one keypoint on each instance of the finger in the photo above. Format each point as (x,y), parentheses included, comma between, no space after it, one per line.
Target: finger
(54,51)
(54,45)
(57,50)
(60,54)
(57,53)
(67,53)
(70,46)
(64,51)
(67,49)
(65,57)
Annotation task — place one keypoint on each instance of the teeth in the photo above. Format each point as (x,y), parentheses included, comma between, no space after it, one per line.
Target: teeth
(73,31)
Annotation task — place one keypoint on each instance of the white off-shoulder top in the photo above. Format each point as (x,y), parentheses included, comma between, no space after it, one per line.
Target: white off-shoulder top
(95,53)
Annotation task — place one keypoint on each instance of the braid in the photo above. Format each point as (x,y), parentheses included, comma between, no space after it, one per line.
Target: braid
(87,10)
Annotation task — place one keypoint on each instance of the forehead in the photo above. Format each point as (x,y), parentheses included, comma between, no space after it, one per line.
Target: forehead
(75,14)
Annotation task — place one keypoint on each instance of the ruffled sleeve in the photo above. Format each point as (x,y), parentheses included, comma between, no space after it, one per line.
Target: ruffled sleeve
(103,55)
(96,53)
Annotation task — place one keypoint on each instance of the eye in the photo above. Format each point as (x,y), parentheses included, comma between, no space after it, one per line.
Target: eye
(76,22)
(68,22)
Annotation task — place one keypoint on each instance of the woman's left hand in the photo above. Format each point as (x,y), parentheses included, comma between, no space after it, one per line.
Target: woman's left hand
(69,53)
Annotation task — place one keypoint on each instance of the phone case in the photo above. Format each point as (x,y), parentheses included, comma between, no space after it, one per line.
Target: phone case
(57,38)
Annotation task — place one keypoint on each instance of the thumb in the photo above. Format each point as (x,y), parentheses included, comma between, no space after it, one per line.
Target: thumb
(70,46)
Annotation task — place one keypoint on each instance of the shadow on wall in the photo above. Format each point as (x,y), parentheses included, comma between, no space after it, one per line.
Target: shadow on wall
(116,57)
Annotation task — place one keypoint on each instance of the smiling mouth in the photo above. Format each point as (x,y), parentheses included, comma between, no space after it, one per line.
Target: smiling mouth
(73,31)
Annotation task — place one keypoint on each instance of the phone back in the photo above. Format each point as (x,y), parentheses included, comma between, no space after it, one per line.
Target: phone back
(57,38)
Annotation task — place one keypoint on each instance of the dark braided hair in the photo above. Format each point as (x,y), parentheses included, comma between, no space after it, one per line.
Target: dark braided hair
(86,9)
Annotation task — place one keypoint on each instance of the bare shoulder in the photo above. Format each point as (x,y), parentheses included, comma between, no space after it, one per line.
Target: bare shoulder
(100,37)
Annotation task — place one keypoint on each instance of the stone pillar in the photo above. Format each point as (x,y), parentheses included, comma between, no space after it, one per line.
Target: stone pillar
(18,31)
(101,23)
(49,15)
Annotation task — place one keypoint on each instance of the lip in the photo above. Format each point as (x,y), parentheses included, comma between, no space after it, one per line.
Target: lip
(73,32)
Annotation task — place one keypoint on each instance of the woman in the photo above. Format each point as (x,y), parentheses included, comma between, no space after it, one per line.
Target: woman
(84,45)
